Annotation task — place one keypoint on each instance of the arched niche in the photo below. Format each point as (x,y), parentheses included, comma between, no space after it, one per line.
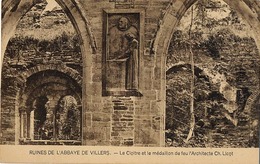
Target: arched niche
(46,95)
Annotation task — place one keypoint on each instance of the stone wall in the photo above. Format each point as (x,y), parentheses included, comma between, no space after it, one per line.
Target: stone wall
(112,120)
(127,120)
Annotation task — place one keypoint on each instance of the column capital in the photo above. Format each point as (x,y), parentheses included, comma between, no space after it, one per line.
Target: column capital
(22,109)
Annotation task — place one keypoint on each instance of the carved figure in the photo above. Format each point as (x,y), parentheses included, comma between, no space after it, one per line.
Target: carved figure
(123,45)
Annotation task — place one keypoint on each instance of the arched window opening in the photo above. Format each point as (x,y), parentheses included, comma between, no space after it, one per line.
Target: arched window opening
(60,123)
(201,111)
(68,120)
(52,114)
(178,102)
(41,115)
(45,42)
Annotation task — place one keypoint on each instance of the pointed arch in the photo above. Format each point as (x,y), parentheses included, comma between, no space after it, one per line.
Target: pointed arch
(14,10)
(248,10)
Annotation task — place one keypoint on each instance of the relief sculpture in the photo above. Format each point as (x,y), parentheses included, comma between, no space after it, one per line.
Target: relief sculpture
(123,44)
(122,52)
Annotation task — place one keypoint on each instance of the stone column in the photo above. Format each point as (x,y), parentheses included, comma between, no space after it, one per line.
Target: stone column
(32,125)
(28,123)
(23,122)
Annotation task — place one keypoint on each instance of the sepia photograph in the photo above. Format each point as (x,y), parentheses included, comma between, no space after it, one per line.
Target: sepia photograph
(159,75)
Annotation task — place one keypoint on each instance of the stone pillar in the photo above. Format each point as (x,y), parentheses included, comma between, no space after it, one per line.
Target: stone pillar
(32,125)
(23,122)
(54,125)
(28,118)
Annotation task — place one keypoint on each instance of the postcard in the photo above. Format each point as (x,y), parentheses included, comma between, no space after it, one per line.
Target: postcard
(130,81)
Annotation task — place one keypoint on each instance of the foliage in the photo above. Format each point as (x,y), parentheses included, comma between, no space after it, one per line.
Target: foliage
(209,102)
(60,43)
(68,119)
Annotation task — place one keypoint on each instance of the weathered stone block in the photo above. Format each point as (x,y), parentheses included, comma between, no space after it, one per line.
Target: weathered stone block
(122,128)
(127,116)
(157,84)
(147,78)
(119,103)
(120,107)
(97,107)
(88,118)
(157,72)
(143,108)
(116,117)
(126,134)
(155,107)
(156,123)
(103,117)
(128,142)
(115,143)
(97,77)
(126,119)
(96,88)
(97,99)
(130,123)
(150,94)
(119,124)
(96,133)
(100,124)
(108,108)
(124,98)
(113,134)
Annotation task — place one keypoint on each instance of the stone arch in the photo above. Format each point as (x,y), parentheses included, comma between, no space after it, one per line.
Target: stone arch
(252,99)
(61,68)
(13,11)
(70,76)
(171,68)
(54,85)
(248,10)
(177,9)
(199,72)
(251,113)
